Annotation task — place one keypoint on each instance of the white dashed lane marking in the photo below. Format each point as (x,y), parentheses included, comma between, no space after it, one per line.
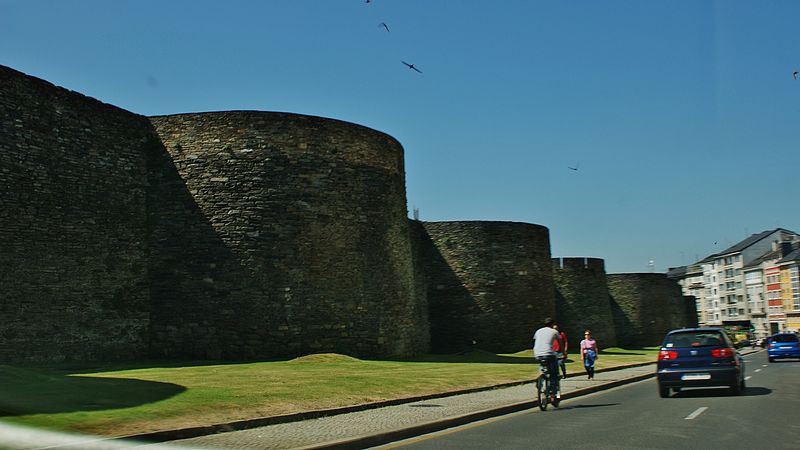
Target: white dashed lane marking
(696,413)
(757,370)
(747,378)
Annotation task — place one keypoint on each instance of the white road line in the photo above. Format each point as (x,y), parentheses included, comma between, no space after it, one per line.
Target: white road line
(747,377)
(763,365)
(697,412)
(757,370)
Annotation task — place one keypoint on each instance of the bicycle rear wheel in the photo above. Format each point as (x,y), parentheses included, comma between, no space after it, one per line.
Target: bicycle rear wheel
(542,390)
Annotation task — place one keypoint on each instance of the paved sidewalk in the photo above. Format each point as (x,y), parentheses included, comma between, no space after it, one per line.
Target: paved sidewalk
(381,425)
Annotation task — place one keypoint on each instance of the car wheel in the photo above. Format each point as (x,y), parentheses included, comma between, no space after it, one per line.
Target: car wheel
(663,392)
(743,387)
(676,390)
(737,388)
(772,360)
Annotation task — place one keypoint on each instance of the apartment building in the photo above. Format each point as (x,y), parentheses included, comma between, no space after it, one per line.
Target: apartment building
(775,314)
(789,267)
(741,285)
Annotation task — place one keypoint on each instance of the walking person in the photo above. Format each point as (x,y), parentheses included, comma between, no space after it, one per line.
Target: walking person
(588,353)
(543,341)
(561,354)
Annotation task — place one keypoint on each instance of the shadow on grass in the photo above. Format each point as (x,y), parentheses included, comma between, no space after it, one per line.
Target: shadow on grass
(113,366)
(26,391)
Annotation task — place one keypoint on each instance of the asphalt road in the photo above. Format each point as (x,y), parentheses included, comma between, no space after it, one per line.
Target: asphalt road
(766,415)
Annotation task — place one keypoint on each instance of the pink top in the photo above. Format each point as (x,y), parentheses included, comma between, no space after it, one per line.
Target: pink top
(588,344)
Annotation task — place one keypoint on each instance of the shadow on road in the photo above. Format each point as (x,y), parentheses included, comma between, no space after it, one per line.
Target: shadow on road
(597,405)
(720,392)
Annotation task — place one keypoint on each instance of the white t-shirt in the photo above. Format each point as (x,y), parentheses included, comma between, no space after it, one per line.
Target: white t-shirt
(543,341)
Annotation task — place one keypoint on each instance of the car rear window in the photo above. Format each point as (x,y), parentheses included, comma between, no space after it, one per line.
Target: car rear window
(784,338)
(686,339)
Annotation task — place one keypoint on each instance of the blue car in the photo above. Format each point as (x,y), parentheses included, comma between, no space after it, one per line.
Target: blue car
(783,345)
(698,357)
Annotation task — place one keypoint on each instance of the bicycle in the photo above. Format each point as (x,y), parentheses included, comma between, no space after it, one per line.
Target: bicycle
(547,391)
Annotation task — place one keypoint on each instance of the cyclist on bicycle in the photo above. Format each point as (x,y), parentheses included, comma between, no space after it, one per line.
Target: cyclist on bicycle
(543,341)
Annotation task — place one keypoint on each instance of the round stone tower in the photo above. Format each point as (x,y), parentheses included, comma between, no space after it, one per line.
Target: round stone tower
(279,234)
(489,284)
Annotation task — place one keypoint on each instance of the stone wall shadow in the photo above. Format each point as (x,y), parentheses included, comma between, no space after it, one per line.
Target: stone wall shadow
(198,288)
(450,304)
(25,391)
(628,335)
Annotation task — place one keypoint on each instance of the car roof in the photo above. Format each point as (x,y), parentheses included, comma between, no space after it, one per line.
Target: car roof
(681,330)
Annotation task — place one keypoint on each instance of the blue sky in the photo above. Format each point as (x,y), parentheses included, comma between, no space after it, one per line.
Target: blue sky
(680,115)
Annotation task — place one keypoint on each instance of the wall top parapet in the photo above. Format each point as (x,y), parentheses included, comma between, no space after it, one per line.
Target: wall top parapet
(579,263)
(479,223)
(238,113)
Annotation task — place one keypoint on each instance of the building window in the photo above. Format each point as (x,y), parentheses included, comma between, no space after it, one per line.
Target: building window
(773,279)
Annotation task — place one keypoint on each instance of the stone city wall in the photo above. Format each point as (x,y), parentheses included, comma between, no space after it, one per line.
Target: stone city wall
(73,229)
(645,307)
(242,234)
(217,235)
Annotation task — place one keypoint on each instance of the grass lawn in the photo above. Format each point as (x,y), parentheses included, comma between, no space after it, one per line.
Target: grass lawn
(139,397)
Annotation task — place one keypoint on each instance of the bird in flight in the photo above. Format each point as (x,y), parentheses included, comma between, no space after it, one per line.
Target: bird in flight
(795,75)
(411,66)
(573,168)
(383,24)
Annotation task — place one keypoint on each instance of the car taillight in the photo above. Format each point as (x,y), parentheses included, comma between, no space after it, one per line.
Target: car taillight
(722,352)
(667,354)
(772,345)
